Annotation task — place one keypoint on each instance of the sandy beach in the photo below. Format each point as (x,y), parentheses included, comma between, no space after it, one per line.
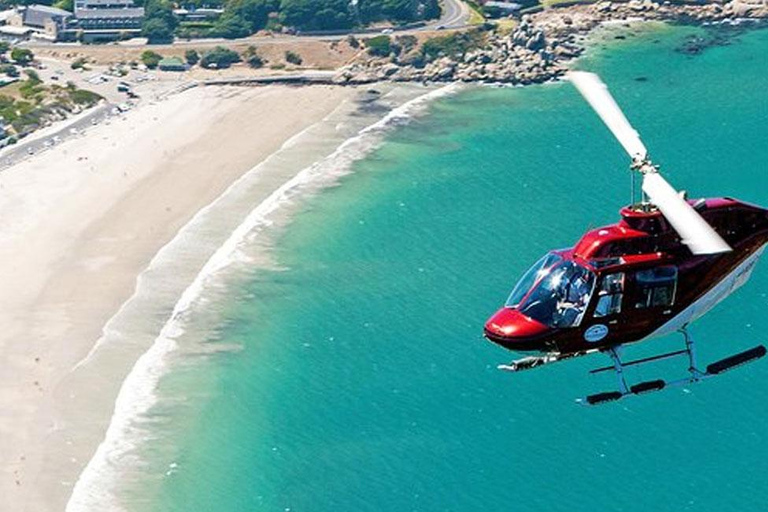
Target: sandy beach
(79,224)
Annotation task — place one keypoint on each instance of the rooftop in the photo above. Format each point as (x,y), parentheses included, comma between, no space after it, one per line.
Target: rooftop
(36,14)
(103,3)
(129,12)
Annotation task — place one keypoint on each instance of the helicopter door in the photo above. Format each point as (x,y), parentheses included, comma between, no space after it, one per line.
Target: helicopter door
(656,288)
(610,297)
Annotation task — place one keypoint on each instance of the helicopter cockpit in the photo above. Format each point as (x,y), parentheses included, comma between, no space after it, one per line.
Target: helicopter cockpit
(555,292)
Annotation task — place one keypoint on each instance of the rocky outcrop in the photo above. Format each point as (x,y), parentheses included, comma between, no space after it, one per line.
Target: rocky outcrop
(542,44)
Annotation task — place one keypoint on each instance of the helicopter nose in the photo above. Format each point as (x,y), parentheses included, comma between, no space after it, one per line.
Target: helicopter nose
(511,328)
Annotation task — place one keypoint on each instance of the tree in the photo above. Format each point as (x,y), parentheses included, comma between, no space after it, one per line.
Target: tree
(254,12)
(157,31)
(151,59)
(231,26)
(4,47)
(219,58)
(192,57)
(22,56)
(159,21)
(316,14)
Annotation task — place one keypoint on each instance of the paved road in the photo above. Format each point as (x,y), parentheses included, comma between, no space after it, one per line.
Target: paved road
(23,150)
(455,15)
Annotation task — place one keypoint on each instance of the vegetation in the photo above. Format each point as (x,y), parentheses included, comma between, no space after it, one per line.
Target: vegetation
(379,46)
(29,104)
(9,70)
(244,17)
(151,59)
(159,21)
(253,58)
(22,56)
(293,58)
(192,57)
(454,45)
(219,58)
(79,63)
(67,5)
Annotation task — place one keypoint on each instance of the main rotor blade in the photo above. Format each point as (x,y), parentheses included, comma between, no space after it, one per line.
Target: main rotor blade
(692,228)
(597,95)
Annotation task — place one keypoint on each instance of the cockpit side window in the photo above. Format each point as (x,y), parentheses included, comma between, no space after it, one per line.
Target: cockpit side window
(656,287)
(611,294)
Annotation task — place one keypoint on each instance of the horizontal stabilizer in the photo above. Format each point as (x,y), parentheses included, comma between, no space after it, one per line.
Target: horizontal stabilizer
(736,360)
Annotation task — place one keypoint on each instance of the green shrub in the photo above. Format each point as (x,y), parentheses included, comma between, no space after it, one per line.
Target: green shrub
(151,59)
(253,58)
(293,58)
(83,97)
(454,45)
(379,46)
(22,56)
(220,57)
(192,57)
(79,63)
(9,70)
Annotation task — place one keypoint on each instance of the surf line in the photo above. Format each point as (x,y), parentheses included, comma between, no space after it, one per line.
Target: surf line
(136,395)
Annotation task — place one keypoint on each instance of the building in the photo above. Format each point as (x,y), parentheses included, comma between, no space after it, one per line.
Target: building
(93,20)
(41,20)
(107,20)
(197,15)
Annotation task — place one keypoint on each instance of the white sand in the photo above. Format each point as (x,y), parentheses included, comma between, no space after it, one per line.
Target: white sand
(79,223)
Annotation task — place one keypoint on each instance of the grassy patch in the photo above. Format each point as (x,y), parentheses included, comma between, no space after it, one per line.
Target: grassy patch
(476,16)
(453,45)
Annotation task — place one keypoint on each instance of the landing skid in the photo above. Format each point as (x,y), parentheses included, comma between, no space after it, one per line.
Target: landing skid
(618,366)
(694,373)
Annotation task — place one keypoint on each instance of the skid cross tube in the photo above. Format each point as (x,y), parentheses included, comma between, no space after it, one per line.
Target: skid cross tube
(641,361)
(695,375)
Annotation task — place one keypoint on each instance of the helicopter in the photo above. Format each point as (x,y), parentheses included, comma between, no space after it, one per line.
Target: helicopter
(667,262)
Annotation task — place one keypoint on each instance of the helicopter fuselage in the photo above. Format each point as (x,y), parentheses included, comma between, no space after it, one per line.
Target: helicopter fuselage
(629,281)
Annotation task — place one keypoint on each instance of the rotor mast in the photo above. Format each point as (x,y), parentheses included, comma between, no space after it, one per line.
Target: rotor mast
(694,231)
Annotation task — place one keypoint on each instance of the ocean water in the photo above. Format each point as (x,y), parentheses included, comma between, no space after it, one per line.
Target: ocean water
(345,368)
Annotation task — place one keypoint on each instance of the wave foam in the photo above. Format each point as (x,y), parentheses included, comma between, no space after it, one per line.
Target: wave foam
(94,489)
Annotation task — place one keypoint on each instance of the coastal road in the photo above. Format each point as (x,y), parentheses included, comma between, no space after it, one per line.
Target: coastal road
(36,143)
(455,14)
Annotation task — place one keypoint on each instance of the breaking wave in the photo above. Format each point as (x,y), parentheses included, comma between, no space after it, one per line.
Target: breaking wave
(96,486)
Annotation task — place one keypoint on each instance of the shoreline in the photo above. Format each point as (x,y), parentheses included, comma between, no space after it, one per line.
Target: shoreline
(544,44)
(82,220)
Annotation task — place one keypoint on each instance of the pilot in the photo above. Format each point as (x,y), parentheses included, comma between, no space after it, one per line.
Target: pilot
(574,300)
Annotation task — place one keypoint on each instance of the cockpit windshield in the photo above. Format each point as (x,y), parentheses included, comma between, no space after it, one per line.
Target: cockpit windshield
(533,276)
(554,292)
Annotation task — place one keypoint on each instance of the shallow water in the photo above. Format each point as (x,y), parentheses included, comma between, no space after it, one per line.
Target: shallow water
(354,376)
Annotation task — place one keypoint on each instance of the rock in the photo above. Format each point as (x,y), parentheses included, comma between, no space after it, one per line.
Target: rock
(536,41)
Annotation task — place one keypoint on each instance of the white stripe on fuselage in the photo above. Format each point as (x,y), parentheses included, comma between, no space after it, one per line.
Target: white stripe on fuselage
(710,299)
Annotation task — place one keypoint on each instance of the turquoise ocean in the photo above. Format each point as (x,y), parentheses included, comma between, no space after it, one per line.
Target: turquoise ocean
(352,374)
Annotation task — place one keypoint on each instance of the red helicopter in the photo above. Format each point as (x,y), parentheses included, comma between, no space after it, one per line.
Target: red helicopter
(667,262)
